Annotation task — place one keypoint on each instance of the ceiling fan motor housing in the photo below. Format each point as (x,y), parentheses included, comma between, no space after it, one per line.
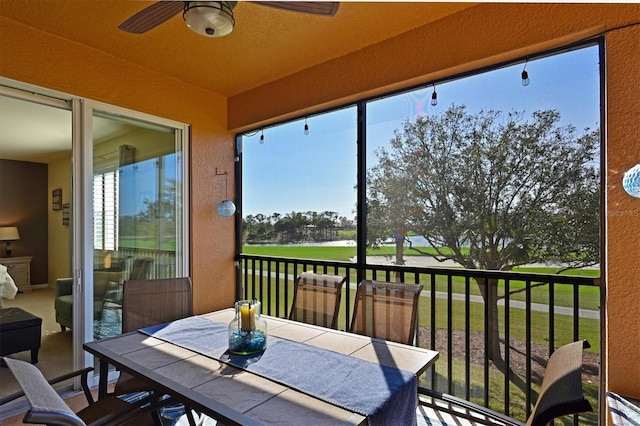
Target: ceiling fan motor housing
(210,18)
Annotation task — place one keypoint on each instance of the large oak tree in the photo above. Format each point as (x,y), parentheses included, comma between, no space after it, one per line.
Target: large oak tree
(490,190)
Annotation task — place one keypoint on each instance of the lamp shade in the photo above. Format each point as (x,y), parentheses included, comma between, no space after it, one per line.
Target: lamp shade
(9,233)
(631,181)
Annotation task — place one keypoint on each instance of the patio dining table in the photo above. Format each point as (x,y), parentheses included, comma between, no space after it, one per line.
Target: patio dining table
(307,373)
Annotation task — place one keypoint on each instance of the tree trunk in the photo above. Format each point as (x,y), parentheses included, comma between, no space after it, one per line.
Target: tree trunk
(398,235)
(489,291)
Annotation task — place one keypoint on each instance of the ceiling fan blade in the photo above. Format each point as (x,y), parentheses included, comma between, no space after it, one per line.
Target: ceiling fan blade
(324,8)
(152,16)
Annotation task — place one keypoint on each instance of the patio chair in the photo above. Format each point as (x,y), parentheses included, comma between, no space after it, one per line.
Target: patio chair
(47,407)
(146,303)
(151,302)
(141,268)
(624,411)
(560,393)
(112,299)
(386,310)
(316,299)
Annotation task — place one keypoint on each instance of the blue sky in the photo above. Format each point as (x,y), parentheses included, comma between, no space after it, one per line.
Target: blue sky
(139,182)
(292,171)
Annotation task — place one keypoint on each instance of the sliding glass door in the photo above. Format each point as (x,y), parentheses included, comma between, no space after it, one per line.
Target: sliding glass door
(111,205)
(135,196)
(35,165)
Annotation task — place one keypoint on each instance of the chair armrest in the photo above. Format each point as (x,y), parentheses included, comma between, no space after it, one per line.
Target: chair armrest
(64,286)
(84,373)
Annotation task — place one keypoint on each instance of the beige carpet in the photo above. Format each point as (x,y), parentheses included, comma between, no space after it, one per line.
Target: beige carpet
(55,356)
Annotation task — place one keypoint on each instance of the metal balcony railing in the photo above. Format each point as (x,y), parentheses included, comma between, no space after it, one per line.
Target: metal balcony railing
(528,316)
(163,263)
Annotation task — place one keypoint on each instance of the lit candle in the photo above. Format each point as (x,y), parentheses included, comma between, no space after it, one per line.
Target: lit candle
(247,317)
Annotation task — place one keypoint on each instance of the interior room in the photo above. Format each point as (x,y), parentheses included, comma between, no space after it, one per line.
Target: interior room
(35,183)
(36,190)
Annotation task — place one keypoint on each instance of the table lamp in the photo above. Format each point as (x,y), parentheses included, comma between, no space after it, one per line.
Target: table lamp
(8,234)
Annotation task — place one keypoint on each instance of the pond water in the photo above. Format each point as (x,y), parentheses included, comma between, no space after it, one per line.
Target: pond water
(417,241)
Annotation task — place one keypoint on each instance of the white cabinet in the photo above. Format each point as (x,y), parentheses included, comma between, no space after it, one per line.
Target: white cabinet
(20,270)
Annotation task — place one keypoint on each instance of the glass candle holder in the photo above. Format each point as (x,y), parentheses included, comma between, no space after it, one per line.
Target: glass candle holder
(247,330)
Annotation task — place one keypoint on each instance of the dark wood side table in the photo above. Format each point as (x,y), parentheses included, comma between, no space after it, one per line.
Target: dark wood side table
(19,268)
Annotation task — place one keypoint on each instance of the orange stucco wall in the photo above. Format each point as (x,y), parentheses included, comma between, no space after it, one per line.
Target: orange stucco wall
(623,212)
(473,38)
(31,56)
(480,36)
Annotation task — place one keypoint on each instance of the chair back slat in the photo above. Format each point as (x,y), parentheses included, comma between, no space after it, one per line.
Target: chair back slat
(316,299)
(151,302)
(386,310)
(561,389)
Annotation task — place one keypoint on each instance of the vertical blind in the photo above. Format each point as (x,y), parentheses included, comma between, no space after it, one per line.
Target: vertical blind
(106,185)
(105,210)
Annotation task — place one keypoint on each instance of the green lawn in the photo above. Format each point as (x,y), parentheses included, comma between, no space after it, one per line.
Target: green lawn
(563,325)
(311,252)
(146,244)
(320,252)
(589,296)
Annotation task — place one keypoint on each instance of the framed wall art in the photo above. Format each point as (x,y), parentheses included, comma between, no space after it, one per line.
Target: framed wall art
(66,214)
(56,199)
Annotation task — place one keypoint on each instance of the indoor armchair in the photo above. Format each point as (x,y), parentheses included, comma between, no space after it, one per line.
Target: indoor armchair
(64,299)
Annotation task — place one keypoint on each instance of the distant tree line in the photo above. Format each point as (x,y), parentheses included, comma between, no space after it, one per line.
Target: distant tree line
(295,227)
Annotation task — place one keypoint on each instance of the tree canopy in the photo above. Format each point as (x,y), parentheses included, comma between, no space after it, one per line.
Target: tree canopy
(489,190)
(156,222)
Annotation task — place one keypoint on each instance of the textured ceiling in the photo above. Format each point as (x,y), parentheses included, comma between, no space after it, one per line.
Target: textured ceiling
(267,44)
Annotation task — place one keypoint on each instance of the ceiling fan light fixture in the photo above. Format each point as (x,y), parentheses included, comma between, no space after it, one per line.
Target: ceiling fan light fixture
(210,18)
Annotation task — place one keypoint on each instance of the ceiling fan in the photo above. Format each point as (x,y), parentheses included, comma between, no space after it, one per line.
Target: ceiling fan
(213,18)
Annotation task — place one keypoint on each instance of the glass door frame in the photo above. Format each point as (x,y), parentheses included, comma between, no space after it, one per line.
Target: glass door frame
(83,212)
